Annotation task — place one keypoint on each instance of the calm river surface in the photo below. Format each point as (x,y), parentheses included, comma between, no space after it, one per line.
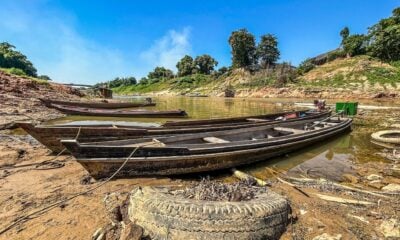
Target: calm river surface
(328,159)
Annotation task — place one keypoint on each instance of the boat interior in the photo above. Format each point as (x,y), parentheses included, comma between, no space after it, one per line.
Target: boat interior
(253,134)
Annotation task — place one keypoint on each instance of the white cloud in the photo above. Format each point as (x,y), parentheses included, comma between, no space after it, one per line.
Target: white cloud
(168,50)
(49,38)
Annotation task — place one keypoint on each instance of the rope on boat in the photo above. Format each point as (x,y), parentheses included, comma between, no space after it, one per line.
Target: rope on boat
(51,206)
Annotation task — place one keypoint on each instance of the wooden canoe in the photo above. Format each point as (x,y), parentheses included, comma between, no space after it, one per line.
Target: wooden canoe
(209,151)
(102,105)
(50,135)
(118,113)
(282,115)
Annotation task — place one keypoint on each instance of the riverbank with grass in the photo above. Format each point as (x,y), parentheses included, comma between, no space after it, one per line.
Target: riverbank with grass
(348,78)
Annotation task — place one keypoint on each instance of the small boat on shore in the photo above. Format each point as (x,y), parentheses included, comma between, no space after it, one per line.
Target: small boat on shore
(72,110)
(208,151)
(50,135)
(91,104)
(285,116)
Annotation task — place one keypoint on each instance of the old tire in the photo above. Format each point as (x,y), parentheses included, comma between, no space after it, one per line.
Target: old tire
(387,136)
(165,216)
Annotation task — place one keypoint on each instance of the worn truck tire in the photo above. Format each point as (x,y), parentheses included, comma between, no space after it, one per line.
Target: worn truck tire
(387,136)
(165,216)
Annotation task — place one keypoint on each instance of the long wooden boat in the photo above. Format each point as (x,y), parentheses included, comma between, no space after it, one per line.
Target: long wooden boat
(282,115)
(118,113)
(50,135)
(103,105)
(192,153)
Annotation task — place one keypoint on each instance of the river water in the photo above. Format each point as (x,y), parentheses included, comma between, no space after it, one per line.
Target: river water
(329,159)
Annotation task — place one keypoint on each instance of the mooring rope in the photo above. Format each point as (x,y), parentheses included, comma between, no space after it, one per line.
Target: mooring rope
(48,208)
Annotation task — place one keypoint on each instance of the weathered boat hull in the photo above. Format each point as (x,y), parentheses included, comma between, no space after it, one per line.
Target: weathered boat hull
(118,113)
(103,105)
(241,119)
(50,136)
(186,162)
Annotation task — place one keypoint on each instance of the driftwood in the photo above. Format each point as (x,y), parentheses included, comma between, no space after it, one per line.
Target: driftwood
(342,200)
(286,182)
(340,186)
(244,176)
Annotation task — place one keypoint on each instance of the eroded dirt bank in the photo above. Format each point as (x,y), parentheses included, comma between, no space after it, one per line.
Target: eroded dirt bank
(19,99)
(290,92)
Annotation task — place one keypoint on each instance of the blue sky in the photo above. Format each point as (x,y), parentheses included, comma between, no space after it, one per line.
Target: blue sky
(91,41)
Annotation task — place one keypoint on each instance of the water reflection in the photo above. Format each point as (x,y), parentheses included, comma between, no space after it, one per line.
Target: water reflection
(200,108)
(329,159)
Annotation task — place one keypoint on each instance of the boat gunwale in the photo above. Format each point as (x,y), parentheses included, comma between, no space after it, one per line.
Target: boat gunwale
(212,121)
(116,160)
(190,136)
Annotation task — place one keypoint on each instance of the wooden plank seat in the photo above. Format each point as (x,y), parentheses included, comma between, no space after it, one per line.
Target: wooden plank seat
(325,123)
(295,131)
(257,120)
(215,140)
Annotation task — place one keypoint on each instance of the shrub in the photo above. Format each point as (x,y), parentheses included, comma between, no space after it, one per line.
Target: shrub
(305,67)
(335,55)
(44,77)
(17,71)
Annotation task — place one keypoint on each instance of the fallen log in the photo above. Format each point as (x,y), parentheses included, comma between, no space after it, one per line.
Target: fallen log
(342,200)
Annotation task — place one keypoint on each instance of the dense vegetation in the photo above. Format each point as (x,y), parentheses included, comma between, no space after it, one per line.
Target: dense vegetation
(382,42)
(13,59)
(14,62)
(255,63)
(117,82)
(199,71)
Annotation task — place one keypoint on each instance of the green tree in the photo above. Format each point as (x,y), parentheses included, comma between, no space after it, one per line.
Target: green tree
(385,38)
(344,33)
(185,66)
(205,64)
(10,58)
(223,70)
(117,82)
(243,47)
(267,50)
(144,81)
(355,45)
(160,73)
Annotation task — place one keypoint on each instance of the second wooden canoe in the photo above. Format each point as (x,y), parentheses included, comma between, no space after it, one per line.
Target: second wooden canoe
(119,113)
(92,104)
